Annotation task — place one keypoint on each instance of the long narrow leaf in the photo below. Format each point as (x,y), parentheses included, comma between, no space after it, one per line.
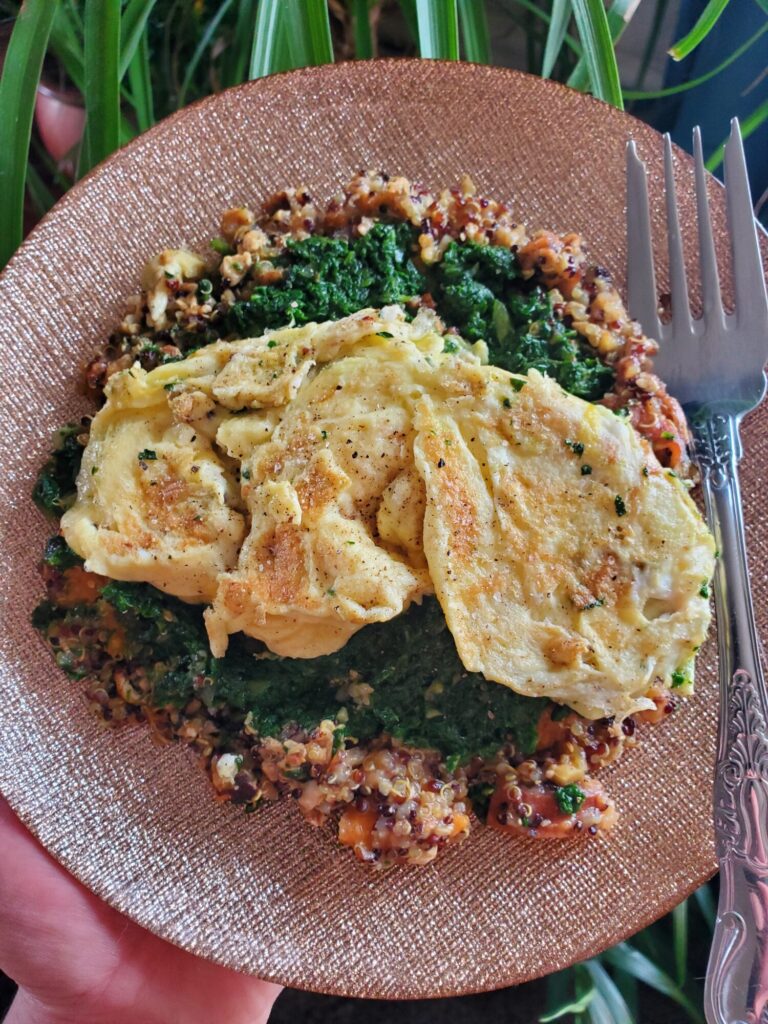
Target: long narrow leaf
(474,31)
(309,37)
(266,35)
(599,54)
(634,962)
(558,27)
(651,42)
(568,992)
(680,941)
(237,68)
(18,87)
(140,81)
(748,126)
(610,996)
(705,901)
(135,18)
(101,26)
(527,5)
(628,987)
(706,22)
(672,90)
(66,42)
(361,23)
(38,191)
(408,8)
(619,15)
(203,43)
(438,26)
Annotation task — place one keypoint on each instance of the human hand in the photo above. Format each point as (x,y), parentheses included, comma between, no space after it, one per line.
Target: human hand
(78,961)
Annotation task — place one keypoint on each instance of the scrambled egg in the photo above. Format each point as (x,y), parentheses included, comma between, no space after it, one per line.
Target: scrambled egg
(568,563)
(375,467)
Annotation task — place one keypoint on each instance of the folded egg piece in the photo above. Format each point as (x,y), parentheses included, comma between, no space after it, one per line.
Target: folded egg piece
(568,563)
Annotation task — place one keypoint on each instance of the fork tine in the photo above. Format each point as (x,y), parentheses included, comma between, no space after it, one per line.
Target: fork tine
(681,311)
(710,281)
(748,276)
(641,283)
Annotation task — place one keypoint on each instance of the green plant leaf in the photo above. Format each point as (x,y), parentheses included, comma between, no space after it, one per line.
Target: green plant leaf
(309,35)
(558,28)
(101,30)
(568,992)
(361,23)
(748,126)
(651,42)
(706,903)
(134,20)
(18,89)
(680,941)
(66,42)
(268,54)
(616,18)
(38,191)
(599,54)
(672,90)
(203,43)
(140,82)
(236,69)
(573,44)
(636,963)
(706,22)
(628,987)
(438,27)
(474,31)
(612,1001)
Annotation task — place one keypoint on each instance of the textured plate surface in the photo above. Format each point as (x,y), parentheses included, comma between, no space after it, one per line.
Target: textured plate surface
(268,893)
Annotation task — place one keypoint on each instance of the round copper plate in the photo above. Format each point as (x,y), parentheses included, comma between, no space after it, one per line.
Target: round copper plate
(136,823)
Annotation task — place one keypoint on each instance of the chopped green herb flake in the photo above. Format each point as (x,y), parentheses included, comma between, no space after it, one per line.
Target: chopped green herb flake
(480,795)
(147,455)
(55,487)
(506,402)
(451,763)
(646,471)
(384,334)
(704,590)
(331,592)
(271,343)
(576,447)
(569,798)
(221,246)
(679,678)
(586,469)
(59,555)
(449,345)
(597,603)
(245,474)
(619,505)
(324,434)
(668,435)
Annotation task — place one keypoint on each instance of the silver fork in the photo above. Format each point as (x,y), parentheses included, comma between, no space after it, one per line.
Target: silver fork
(714,366)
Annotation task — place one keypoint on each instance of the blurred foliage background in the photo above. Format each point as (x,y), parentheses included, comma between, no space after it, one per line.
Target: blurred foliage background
(82,77)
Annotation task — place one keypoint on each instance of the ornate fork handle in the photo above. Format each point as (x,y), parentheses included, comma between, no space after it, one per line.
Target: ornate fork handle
(737,979)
